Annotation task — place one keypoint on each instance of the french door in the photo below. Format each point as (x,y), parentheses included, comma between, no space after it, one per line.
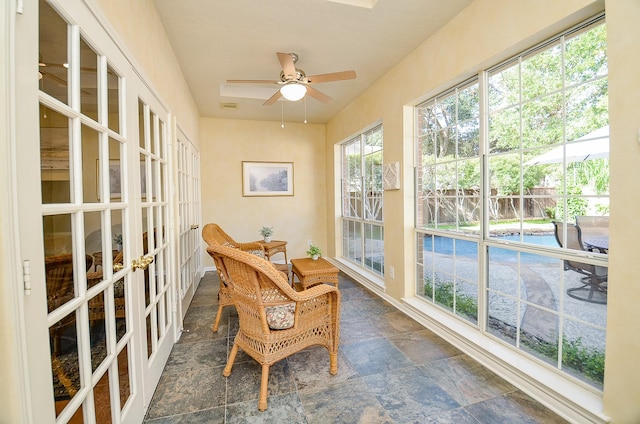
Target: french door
(92,167)
(188,164)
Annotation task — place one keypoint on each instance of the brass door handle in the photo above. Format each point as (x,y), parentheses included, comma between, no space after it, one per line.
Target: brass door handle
(117,267)
(141,263)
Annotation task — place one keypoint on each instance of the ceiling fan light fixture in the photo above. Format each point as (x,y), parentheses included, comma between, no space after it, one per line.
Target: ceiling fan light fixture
(293,92)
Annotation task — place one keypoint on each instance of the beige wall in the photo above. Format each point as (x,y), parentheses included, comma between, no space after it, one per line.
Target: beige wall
(138,24)
(296,219)
(622,378)
(483,34)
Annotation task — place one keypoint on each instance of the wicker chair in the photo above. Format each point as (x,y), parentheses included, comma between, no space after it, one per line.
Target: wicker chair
(214,235)
(60,290)
(275,320)
(96,305)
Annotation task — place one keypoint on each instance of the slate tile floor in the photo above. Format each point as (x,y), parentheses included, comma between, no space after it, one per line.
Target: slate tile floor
(391,370)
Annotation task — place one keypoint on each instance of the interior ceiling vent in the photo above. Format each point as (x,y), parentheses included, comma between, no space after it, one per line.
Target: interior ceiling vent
(229,106)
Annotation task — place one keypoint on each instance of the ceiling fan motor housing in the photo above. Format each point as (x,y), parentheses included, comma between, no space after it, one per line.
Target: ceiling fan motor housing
(300,76)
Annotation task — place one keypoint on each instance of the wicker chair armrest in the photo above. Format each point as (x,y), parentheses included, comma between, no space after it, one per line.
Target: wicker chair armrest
(249,246)
(315,291)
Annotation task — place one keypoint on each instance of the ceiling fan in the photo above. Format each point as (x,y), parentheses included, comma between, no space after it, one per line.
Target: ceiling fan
(48,70)
(295,82)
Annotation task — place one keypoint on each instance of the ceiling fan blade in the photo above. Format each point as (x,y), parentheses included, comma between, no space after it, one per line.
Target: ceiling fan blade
(333,76)
(318,95)
(252,81)
(59,80)
(271,100)
(62,82)
(288,67)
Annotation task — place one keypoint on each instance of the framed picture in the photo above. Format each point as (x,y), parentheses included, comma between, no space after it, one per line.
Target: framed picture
(115,179)
(267,178)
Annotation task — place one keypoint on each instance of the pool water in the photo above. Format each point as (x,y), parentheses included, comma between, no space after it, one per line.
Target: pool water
(445,246)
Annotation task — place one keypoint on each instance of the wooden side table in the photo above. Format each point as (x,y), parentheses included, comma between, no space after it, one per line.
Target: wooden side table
(274,247)
(310,273)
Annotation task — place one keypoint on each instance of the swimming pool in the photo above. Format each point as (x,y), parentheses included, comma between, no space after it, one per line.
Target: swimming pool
(449,246)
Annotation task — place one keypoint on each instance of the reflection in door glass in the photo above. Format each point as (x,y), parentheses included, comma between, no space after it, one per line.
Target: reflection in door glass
(64,361)
(101,393)
(123,375)
(113,93)
(118,236)
(153,121)
(115,176)
(53,66)
(88,80)
(145,185)
(141,131)
(90,164)
(97,333)
(155,165)
(54,157)
(149,338)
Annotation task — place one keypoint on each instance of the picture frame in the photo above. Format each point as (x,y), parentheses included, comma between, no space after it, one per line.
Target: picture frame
(115,179)
(391,176)
(267,179)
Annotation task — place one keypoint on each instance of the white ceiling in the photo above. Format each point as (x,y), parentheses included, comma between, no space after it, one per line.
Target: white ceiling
(217,40)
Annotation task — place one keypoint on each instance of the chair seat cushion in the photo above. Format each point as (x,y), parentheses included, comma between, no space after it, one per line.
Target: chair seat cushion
(280,317)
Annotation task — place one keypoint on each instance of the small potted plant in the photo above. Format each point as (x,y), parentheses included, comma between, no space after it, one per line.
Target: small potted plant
(117,241)
(266,233)
(314,252)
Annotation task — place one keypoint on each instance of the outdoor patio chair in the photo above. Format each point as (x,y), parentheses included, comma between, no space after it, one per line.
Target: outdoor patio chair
(275,320)
(593,227)
(594,288)
(213,234)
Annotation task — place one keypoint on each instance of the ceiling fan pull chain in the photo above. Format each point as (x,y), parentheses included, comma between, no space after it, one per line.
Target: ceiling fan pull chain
(282,115)
(305,110)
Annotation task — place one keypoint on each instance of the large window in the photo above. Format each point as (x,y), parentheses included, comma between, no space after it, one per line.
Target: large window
(515,206)
(362,229)
(448,199)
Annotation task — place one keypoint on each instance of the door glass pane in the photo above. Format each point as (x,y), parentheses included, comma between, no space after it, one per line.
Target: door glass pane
(54,157)
(145,186)
(113,93)
(120,299)
(123,376)
(64,361)
(161,193)
(141,124)
(93,242)
(53,64)
(163,132)
(153,121)
(58,252)
(102,400)
(119,237)
(149,337)
(116,180)
(98,333)
(88,80)
(155,169)
(90,164)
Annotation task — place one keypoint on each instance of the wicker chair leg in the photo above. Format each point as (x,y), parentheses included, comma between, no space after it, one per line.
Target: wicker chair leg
(264,385)
(214,327)
(333,363)
(232,357)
